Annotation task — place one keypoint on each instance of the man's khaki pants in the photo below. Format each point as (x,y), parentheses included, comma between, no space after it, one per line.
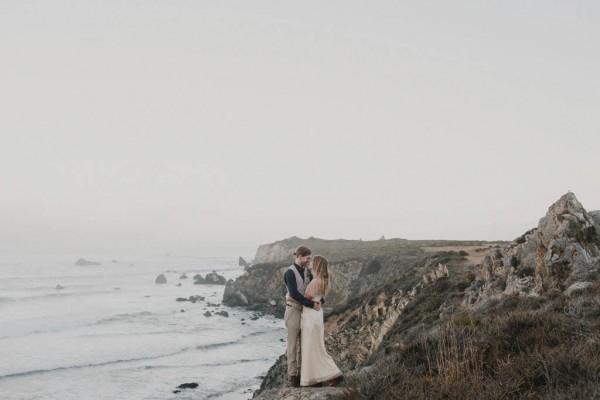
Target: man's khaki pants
(292,319)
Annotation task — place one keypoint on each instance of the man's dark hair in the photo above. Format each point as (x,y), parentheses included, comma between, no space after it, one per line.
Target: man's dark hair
(302,251)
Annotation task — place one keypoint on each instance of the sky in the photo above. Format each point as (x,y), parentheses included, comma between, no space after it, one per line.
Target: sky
(181,124)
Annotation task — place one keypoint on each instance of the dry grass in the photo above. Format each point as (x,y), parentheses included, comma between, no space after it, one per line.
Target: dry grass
(475,254)
(544,348)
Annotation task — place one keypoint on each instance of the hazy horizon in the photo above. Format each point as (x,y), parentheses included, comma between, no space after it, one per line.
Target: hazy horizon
(161,125)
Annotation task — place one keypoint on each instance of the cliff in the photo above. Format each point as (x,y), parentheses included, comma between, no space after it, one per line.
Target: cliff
(343,250)
(562,253)
(494,320)
(356,267)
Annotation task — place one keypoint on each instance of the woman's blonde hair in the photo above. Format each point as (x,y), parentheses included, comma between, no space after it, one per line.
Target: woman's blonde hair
(321,274)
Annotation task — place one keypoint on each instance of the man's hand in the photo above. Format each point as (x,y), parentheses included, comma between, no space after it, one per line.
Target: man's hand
(317,306)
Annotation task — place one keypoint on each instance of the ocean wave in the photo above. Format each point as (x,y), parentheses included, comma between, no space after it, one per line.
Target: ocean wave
(101,364)
(240,340)
(125,317)
(253,334)
(62,294)
(216,345)
(210,364)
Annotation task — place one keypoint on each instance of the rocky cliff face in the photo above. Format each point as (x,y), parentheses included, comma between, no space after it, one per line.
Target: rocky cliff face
(355,331)
(276,252)
(413,324)
(563,250)
(356,268)
(261,288)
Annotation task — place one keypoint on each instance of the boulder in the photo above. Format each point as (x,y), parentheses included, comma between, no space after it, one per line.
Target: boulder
(188,386)
(215,279)
(160,279)
(59,287)
(184,276)
(222,313)
(207,314)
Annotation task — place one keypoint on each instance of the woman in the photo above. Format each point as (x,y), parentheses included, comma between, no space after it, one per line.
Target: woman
(317,366)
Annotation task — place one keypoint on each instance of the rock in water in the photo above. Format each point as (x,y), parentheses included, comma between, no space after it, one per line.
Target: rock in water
(215,279)
(188,386)
(243,263)
(207,314)
(83,262)
(59,287)
(161,279)
(222,313)
(184,276)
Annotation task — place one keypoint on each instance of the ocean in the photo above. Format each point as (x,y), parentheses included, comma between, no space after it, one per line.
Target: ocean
(113,333)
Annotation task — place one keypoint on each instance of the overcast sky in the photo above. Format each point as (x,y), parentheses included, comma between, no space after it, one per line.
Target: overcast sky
(182,124)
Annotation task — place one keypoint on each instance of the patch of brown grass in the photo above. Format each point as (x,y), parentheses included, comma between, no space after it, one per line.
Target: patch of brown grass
(548,347)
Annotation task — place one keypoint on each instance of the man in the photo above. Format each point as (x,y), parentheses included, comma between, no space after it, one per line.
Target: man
(296,279)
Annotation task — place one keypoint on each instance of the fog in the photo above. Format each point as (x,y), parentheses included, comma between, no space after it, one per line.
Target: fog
(171,125)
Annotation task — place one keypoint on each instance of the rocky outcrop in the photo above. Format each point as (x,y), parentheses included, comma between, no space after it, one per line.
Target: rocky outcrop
(564,249)
(215,279)
(243,263)
(160,279)
(84,262)
(257,287)
(595,215)
(211,279)
(277,252)
(354,334)
(375,264)
(261,287)
(193,299)
(407,319)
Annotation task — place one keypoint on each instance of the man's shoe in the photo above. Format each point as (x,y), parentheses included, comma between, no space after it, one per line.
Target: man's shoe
(293,381)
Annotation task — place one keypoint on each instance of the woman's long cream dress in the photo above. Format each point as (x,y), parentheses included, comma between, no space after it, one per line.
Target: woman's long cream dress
(317,365)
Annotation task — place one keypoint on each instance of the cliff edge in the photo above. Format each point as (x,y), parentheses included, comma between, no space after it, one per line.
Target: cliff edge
(422,320)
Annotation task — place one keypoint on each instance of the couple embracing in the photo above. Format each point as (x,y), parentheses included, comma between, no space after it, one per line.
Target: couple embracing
(307,360)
